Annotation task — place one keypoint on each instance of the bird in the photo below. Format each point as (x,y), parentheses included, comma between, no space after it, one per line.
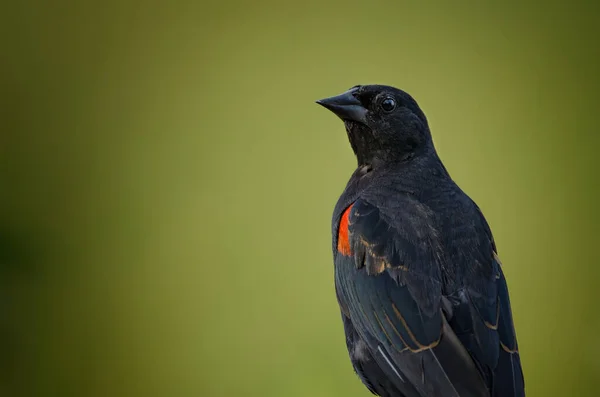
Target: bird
(421,289)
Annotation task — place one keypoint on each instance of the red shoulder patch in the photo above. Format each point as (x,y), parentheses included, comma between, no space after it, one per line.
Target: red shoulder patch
(343,242)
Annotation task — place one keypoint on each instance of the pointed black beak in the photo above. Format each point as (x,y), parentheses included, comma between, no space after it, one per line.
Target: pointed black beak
(346,106)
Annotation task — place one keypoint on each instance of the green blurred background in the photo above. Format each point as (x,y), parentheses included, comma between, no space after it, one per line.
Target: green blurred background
(167,184)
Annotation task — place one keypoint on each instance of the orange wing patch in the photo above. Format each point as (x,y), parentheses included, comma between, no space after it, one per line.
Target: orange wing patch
(343,241)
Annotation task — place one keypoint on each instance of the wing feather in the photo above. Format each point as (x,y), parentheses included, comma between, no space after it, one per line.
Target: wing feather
(391,288)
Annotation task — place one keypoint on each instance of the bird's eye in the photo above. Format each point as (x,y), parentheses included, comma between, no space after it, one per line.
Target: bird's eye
(388,104)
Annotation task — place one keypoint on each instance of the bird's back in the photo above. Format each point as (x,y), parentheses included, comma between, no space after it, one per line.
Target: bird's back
(434,228)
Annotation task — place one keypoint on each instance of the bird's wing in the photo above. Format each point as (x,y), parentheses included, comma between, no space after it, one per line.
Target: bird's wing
(389,284)
(508,374)
(490,304)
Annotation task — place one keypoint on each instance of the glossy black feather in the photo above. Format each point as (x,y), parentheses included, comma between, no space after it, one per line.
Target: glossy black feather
(372,367)
(394,297)
(423,298)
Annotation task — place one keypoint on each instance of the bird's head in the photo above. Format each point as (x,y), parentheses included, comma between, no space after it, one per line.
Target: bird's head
(384,124)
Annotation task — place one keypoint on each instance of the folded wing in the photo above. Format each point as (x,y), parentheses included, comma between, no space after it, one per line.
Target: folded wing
(391,289)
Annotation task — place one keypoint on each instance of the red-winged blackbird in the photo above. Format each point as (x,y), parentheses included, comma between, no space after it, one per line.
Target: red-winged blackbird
(423,298)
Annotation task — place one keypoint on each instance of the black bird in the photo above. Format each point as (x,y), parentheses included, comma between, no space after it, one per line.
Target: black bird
(423,298)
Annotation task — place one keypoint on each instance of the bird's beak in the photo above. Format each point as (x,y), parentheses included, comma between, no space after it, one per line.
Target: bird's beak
(346,106)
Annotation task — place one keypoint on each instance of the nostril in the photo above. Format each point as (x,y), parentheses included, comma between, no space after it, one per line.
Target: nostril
(354,91)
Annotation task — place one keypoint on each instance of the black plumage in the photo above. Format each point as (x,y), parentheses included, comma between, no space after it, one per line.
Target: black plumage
(424,302)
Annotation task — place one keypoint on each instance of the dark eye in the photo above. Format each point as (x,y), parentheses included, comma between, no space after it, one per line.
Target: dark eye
(388,104)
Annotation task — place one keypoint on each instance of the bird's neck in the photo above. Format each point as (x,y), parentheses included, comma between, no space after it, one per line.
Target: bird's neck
(424,171)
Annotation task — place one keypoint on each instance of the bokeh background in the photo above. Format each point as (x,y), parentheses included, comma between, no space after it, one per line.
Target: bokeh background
(166,184)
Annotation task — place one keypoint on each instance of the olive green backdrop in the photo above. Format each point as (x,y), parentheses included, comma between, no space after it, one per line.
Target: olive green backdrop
(167,184)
